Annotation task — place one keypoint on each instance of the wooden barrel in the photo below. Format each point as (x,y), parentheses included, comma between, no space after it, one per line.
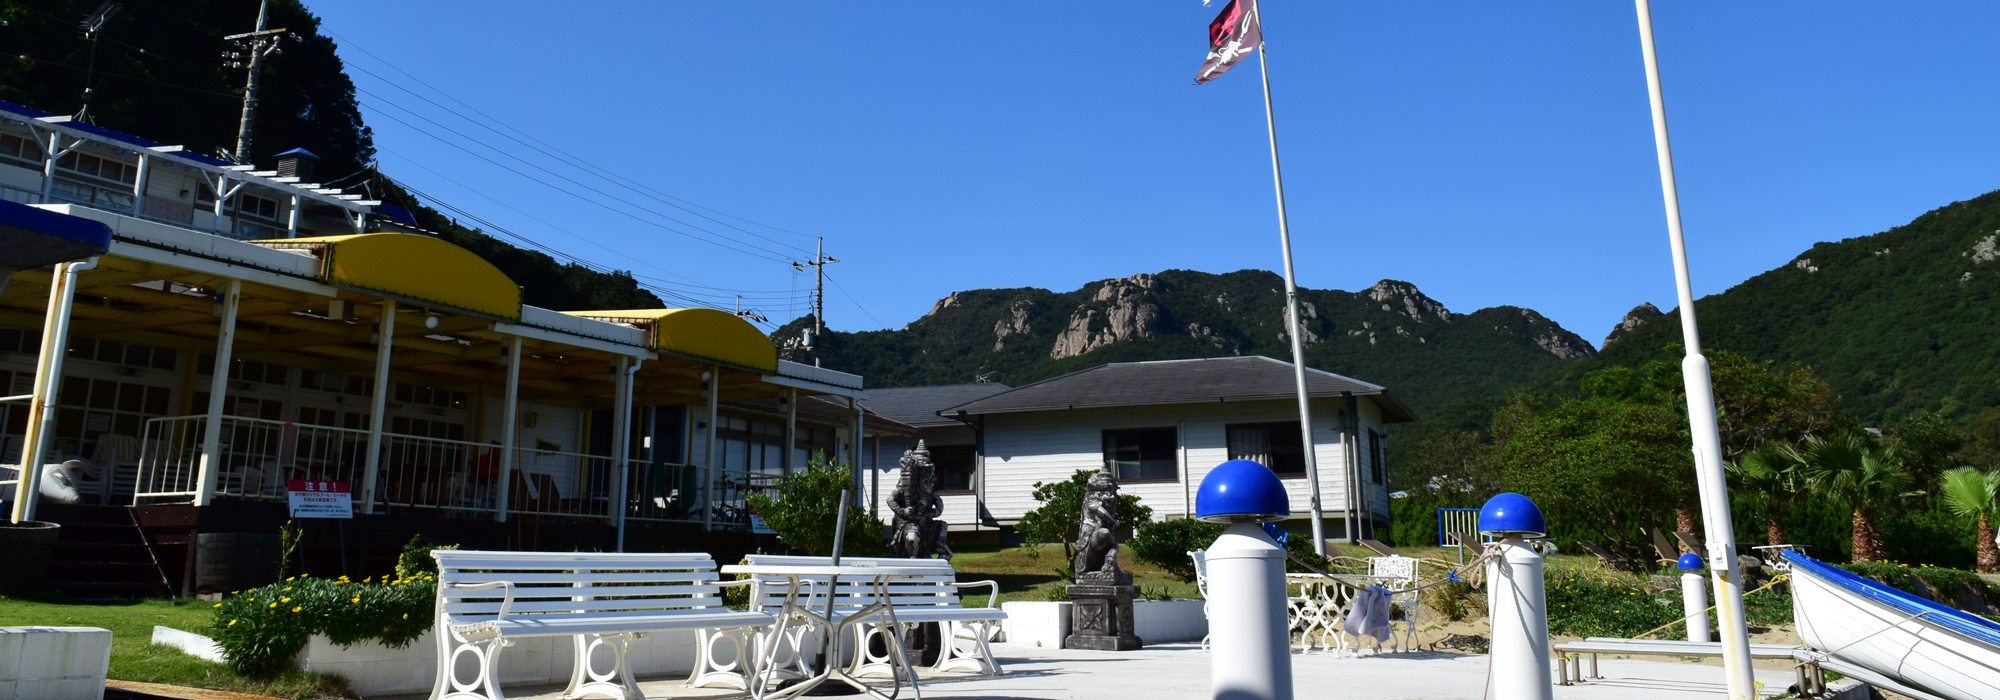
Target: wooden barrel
(232,561)
(25,547)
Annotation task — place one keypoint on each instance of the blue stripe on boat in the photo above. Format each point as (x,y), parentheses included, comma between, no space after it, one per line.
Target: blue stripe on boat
(1965,623)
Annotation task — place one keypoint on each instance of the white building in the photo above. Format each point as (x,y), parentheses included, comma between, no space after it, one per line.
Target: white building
(1160,426)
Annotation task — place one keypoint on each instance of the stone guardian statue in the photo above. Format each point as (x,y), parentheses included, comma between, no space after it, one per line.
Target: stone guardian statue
(917,532)
(1101,598)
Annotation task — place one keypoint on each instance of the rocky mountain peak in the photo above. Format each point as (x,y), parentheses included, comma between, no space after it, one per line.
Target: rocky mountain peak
(1403,297)
(1126,311)
(943,304)
(1635,318)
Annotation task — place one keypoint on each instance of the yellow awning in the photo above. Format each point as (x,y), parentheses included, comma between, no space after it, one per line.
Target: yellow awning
(709,334)
(417,268)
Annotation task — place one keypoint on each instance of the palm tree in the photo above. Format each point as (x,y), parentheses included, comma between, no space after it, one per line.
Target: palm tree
(1844,470)
(1765,476)
(1973,493)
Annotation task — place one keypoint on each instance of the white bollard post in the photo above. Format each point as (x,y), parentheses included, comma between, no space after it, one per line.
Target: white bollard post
(1248,635)
(1247,632)
(1517,602)
(1694,597)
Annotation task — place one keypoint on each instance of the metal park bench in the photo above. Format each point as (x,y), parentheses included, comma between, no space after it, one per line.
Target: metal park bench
(1569,655)
(928,599)
(488,599)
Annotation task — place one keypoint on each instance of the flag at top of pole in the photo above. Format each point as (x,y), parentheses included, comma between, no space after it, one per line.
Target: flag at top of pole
(1233,35)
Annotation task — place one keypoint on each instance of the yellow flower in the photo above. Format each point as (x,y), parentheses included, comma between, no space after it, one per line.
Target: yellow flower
(218,605)
(289,579)
(287,600)
(274,605)
(406,616)
(298,608)
(288,589)
(357,599)
(232,623)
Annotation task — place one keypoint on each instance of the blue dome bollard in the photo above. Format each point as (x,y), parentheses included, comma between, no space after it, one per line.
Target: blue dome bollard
(1248,635)
(1694,596)
(1517,602)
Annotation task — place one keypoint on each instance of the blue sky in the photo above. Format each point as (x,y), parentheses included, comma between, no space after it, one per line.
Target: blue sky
(1490,153)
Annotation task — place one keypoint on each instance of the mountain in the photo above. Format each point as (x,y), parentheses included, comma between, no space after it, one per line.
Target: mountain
(1903,320)
(1389,334)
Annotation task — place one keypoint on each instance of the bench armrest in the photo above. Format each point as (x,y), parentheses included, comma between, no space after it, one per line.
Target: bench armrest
(991,598)
(506,603)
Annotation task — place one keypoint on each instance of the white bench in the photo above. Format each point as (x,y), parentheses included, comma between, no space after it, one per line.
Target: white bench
(488,599)
(927,599)
(1569,655)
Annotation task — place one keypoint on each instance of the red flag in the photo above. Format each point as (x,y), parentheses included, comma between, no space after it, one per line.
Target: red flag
(1233,35)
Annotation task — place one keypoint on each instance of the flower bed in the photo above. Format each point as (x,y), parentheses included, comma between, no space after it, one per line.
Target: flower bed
(260,630)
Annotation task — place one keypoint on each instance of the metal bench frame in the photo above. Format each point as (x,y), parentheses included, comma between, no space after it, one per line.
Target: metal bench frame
(966,631)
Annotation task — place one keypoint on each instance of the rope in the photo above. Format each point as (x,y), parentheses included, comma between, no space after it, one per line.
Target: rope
(1477,567)
(1775,580)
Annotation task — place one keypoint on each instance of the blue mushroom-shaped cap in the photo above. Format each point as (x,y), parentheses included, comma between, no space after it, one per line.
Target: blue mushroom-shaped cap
(1241,490)
(1689,562)
(1511,514)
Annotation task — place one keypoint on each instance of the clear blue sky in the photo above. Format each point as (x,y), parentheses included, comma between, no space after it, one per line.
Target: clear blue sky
(1490,153)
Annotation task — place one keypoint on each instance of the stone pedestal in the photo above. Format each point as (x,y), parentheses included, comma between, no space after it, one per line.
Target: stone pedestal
(1101,613)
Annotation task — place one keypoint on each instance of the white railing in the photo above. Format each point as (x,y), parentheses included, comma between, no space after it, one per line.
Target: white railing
(20,196)
(428,475)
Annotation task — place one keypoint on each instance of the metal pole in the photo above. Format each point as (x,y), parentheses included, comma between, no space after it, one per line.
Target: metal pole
(250,86)
(385,339)
(1292,304)
(621,441)
(218,390)
(819,298)
(1714,488)
(510,410)
(48,384)
(708,458)
(139,183)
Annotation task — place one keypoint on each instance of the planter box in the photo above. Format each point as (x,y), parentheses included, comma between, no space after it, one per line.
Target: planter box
(1045,624)
(1161,621)
(372,669)
(53,663)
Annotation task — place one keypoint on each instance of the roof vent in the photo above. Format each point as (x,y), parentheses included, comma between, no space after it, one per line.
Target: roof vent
(298,163)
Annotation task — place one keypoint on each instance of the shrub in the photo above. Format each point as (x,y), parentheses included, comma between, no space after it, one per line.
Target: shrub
(260,630)
(416,557)
(1943,583)
(1166,544)
(1061,514)
(1589,606)
(808,506)
(1455,600)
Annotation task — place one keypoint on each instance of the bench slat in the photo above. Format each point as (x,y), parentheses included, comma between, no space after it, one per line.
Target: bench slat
(525,592)
(562,577)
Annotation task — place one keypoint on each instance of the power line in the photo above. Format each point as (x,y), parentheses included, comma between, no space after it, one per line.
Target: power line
(601,171)
(772,255)
(857,302)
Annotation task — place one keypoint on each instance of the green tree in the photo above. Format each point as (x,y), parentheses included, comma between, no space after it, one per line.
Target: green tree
(1060,516)
(1767,478)
(1600,465)
(1925,446)
(1972,493)
(1844,470)
(808,506)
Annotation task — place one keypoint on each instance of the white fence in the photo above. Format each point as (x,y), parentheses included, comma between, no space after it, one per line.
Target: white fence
(430,475)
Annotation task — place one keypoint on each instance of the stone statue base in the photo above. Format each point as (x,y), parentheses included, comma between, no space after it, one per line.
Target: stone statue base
(1101,615)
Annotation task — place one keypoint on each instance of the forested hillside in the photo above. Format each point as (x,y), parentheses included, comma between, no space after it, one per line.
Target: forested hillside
(1900,321)
(1390,334)
(159,74)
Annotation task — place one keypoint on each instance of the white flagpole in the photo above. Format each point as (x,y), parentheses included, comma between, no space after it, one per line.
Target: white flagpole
(1292,306)
(1719,529)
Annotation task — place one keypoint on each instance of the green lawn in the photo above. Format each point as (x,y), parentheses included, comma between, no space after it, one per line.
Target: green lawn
(1025,576)
(135,658)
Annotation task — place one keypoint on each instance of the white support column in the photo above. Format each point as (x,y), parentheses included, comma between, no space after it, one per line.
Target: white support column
(854,447)
(218,391)
(48,382)
(292,221)
(385,339)
(139,183)
(51,151)
(221,197)
(510,413)
(709,462)
(621,442)
(791,429)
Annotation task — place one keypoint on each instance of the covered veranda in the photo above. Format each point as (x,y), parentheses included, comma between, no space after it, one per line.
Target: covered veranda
(196,369)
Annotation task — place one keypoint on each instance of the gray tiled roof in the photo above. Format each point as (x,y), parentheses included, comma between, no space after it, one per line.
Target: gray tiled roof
(919,405)
(1253,378)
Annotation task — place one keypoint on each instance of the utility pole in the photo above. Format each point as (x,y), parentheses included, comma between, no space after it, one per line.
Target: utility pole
(253,46)
(93,25)
(818,264)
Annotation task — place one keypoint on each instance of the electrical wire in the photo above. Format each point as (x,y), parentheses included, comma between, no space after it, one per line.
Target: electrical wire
(600,171)
(765,253)
(850,297)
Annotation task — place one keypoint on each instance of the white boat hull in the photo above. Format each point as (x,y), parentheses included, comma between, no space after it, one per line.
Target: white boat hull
(1918,643)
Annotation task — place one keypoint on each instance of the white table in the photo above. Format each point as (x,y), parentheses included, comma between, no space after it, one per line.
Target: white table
(1317,611)
(811,574)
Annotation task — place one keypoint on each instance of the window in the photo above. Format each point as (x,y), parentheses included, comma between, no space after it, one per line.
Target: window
(248,370)
(1146,454)
(92,408)
(86,164)
(339,384)
(318,416)
(250,205)
(17,147)
(956,465)
(419,427)
(128,354)
(409,393)
(1274,445)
